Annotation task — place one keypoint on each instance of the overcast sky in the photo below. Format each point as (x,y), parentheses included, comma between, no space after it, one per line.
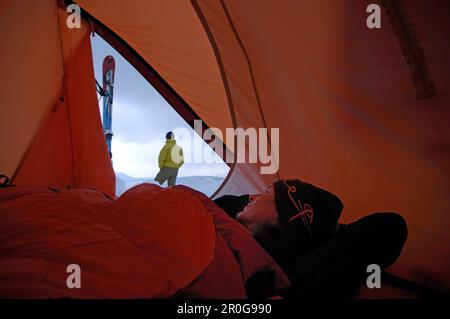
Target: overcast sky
(141,118)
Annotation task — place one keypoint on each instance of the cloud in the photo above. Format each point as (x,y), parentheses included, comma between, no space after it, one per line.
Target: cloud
(135,159)
(141,122)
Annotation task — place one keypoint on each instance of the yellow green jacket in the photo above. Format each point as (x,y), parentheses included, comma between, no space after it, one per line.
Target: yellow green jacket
(171,155)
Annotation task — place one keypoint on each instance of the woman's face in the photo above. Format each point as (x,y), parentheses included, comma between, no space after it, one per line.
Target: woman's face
(261,209)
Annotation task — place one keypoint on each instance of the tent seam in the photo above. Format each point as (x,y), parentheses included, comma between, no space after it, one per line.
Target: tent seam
(249,64)
(66,101)
(226,86)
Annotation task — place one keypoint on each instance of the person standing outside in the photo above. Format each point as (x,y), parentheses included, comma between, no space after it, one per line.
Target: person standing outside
(170,159)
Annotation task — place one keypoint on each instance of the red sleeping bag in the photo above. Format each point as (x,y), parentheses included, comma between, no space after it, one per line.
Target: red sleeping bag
(149,243)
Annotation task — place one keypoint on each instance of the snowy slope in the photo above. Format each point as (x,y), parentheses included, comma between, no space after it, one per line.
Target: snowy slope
(205,184)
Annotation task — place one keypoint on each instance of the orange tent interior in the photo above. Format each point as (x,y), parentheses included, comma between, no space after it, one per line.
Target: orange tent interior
(361,112)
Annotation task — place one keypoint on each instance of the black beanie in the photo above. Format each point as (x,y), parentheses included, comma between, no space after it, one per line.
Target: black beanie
(169,135)
(311,212)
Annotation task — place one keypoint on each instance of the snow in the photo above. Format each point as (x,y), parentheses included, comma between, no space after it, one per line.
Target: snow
(205,184)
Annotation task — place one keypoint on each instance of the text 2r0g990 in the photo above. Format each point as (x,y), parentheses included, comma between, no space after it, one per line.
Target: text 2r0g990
(246,308)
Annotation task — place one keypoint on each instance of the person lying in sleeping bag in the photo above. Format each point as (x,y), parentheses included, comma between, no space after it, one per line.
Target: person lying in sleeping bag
(297,224)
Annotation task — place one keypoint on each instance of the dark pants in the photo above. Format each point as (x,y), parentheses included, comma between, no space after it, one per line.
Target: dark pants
(168,174)
(339,266)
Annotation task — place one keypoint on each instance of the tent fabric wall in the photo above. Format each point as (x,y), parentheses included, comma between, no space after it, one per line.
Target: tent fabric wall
(341,94)
(30,61)
(64,145)
(243,94)
(346,107)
